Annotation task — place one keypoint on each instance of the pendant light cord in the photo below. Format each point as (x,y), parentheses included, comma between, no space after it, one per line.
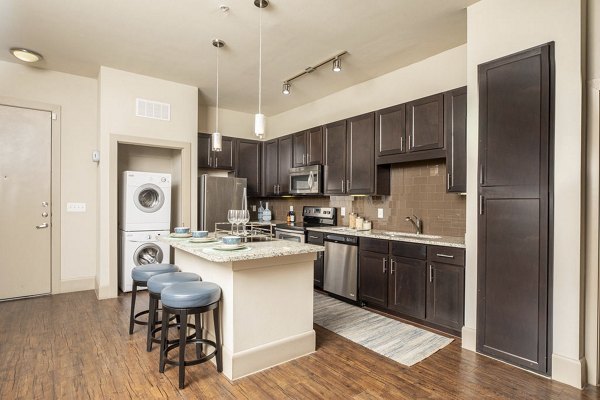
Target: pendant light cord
(217,110)
(259,59)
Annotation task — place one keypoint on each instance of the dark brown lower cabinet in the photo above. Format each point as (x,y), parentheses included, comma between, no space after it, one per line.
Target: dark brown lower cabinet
(420,282)
(373,280)
(317,238)
(446,295)
(515,208)
(407,286)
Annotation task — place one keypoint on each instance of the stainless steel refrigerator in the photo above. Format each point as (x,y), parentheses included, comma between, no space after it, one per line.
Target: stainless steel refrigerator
(216,195)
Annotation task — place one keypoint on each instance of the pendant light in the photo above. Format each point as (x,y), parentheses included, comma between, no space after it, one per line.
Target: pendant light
(216,136)
(259,119)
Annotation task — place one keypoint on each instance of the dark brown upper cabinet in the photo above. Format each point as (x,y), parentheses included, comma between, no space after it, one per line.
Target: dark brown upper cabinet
(248,164)
(334,176)
(455,128)
(207,158)
(308,147)
(277,161)
(350,158)
(390,131)
(425,123)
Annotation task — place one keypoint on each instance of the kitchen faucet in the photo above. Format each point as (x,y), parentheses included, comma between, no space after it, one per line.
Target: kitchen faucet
(417,222)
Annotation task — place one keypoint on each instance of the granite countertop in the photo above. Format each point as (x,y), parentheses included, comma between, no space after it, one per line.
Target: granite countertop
(437,240)
(253,250)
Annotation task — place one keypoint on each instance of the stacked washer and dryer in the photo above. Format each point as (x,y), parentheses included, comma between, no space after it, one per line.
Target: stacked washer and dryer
(145,215)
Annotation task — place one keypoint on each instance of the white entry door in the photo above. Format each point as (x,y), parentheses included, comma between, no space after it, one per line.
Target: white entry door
(25,183)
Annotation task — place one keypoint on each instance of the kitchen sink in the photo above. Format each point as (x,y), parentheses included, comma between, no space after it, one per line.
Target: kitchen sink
(409,235)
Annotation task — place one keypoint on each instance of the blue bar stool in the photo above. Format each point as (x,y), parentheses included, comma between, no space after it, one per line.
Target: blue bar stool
(156,284)
(140,276)
(190,298)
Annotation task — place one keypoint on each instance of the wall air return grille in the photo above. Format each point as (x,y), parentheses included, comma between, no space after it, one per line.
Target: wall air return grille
(152,109)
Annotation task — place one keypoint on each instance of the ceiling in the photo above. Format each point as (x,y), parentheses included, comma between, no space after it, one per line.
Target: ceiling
(171,39)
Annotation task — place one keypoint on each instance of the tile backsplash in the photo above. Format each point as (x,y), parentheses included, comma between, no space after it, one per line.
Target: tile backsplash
(416,189)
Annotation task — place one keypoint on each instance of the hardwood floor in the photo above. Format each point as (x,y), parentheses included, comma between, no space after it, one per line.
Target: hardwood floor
(72,346)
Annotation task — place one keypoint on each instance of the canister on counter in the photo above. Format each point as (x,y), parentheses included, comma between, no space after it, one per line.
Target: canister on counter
(352,220)
(359,223)
(366,225)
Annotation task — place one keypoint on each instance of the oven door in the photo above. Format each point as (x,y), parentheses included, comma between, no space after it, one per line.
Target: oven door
(294,236)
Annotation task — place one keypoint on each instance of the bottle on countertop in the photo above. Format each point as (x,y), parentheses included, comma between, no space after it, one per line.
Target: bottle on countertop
(261,211)
(291,216)
(267,213)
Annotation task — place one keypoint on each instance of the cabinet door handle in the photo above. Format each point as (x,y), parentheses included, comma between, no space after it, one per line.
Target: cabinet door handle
(384,265)
(408,143)
(392,263)
(312,237)
(402,143)
(342,186)
(430,273)
(481,174)
(210,161)
(303,158)
(308,158)
(448,182)
(348,184)
(445,255)
(480,205)
(216,161)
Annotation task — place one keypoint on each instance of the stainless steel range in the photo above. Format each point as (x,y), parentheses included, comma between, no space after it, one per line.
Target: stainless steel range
(311,217)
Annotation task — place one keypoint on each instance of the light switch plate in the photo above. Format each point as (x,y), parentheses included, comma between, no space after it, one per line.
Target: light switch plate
(76,207)
(380,213)
(343,211)
(253,207)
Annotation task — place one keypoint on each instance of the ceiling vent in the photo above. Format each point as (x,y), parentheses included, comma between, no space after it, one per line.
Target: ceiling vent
(152,109)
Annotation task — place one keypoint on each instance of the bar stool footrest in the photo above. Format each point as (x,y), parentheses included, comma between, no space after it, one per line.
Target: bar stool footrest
(158,329)
(196,361)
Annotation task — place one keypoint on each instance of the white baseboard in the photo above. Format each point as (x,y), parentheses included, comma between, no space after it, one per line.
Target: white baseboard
(77,284)
(469,338)
(569,371)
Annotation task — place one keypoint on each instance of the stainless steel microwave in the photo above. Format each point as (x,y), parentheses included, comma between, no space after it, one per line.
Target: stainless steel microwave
(306,180)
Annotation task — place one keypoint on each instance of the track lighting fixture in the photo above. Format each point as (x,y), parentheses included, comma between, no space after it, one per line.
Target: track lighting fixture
(337,67)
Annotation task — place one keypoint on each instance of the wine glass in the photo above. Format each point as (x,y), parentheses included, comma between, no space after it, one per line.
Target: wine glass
(231,218)
(245,218)
(238,220)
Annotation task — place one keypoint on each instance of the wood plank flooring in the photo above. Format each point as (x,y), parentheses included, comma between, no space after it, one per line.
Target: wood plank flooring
(72,346)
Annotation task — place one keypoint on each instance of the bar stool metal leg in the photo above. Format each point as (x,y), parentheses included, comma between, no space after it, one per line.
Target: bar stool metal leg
(131,316)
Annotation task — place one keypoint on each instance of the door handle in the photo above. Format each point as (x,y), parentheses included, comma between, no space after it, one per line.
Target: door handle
(430,273)
(384,265)
(342,186)
(42,226)
(392,266)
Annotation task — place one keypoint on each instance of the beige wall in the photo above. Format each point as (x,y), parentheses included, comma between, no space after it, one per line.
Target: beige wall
(77,98)
(231,123)
(436,74)
(117,93)
(496,29)
(592,193)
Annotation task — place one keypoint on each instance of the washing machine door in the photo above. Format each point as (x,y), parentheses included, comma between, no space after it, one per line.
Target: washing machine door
(148,253)
(149,198)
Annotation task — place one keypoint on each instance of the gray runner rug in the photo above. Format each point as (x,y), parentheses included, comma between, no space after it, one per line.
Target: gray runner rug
(401,342)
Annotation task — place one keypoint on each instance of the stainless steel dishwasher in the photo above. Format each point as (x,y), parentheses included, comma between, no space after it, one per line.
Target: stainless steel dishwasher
(341,265)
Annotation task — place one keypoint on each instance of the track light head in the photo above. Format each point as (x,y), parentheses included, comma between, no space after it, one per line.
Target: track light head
(286,88)
(337,64)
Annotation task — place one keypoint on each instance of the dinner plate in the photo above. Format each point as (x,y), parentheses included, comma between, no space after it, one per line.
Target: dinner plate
(230,246)
(203,240)
(180,235)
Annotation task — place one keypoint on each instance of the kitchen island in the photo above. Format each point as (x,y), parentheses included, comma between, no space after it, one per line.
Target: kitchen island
(267,299)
